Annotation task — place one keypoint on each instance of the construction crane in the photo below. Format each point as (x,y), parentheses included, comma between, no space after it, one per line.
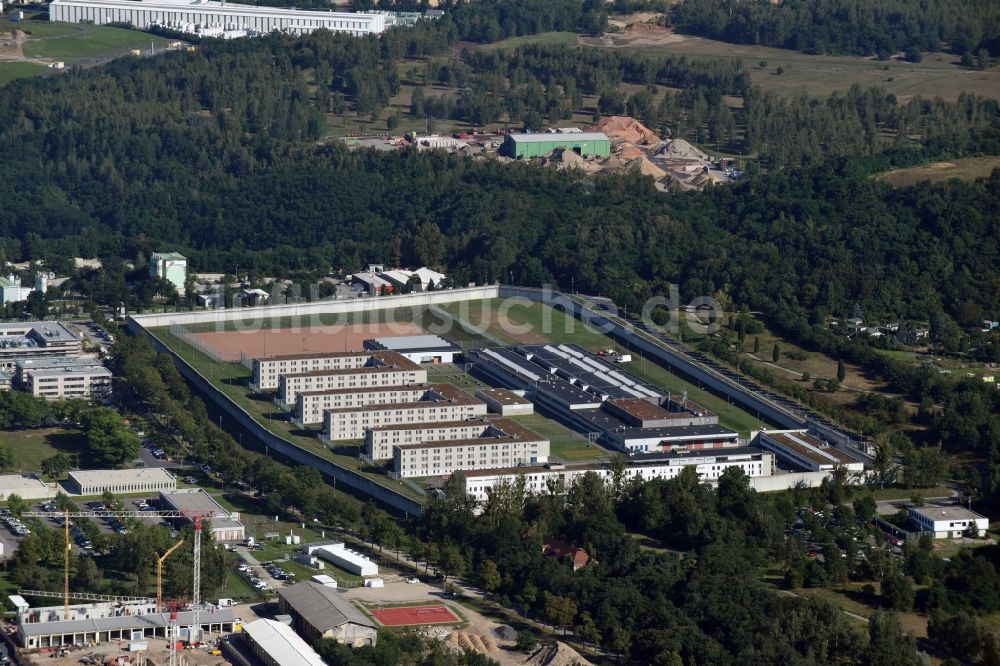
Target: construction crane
(194,516)
(159,574)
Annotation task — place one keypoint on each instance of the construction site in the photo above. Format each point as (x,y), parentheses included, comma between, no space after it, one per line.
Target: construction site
(118,629)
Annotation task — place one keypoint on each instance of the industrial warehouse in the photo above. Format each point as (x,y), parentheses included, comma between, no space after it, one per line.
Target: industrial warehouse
(212,18)
(418,348)
(592,395)
(120,481)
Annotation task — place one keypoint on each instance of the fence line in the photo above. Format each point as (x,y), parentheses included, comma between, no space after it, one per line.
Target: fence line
(194,341)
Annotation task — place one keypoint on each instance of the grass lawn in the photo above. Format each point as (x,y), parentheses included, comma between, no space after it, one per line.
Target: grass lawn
(969,168)
(907,493)
(850,599)
(237,588)
(29,447)
(90,42)
(563,442)
(19,70)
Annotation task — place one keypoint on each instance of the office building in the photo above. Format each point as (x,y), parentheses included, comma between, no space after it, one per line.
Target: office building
(121,481)
(57,378)
(36,340)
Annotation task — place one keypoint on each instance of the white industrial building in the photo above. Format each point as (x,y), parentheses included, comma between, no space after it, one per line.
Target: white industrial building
(709,465)
(418,348)
(277,644)
(441,402)
(212,16)
(25,486)
(948,522)
(805,451)
(120,481)
(340,555)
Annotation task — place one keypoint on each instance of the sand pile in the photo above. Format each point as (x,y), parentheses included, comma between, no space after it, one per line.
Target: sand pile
(646,168)
(557,654)
(680,148)
(506,633)
(626,128)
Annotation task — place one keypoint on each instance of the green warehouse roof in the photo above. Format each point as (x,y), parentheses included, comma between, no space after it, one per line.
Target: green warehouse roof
(542,137)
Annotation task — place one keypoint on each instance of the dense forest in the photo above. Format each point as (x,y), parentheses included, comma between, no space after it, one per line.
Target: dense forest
(861,27)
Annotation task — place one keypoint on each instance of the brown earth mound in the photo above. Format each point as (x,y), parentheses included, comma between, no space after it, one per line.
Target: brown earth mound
(626,128)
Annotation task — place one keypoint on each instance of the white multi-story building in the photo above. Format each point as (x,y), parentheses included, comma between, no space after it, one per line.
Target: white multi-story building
(36,339)
(379,440)
(58,378)
(310,405)
(268,370)
(709,464)
(503,443)
(192,15)
(443,402)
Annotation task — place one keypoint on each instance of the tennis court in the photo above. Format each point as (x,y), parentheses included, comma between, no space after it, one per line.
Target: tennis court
(402,616)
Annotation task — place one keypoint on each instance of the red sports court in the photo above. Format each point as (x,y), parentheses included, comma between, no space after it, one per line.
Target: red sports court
(406,615)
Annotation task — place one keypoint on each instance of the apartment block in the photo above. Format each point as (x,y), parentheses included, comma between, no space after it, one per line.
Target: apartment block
(376,369)
(442,402)
(268,370)
(502,443)
(310,405)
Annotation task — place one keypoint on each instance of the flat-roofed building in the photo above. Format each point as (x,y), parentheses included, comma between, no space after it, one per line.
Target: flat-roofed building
(357,370)
(948,522)
(505,402)
(213,18)
(226,525)
(310,405)
(322,612)
(442,402)
(805,451)
(120,481)
(277,644)
(338,554)
(502,443)
(36,339)
(267,370)
(418,348)
(650,413)
(379,440)
(57,378)
(709,465)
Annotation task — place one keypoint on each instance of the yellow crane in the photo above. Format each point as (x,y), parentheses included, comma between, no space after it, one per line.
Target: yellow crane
(159,573)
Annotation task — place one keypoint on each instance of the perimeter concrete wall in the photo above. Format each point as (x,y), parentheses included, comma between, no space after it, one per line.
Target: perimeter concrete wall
(365,304)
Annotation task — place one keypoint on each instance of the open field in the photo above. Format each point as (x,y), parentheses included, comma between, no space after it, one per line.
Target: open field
(19,70)
(69,42)
(263,342)
(29,447)
(969,168)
